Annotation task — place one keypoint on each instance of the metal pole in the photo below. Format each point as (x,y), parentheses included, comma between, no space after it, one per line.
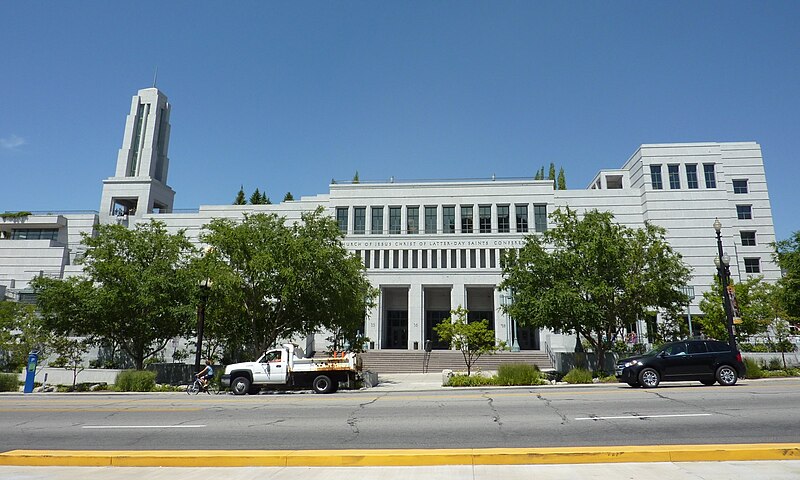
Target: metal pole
(723,276)
(201,320)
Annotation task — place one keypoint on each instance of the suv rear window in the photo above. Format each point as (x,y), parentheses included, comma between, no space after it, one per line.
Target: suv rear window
(697,347)
(714,346)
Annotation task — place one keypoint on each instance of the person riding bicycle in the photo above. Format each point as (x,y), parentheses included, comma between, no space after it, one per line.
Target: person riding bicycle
(206,374)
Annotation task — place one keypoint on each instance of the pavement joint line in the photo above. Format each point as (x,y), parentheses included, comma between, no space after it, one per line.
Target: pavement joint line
(403,457)
(626,417)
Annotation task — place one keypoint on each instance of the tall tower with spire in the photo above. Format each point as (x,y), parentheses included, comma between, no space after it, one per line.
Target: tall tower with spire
(140,183)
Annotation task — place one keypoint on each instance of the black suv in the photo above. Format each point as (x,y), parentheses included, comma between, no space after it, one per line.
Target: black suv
(708,361)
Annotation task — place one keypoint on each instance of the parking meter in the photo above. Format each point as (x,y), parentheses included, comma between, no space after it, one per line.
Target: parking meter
(30,370)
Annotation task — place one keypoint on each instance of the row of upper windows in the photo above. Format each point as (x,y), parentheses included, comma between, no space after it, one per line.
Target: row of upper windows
(34,234)
(464,258)
(692,181)
(441,220)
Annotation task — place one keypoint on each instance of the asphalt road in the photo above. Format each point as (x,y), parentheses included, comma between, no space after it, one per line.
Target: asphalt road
(750,412)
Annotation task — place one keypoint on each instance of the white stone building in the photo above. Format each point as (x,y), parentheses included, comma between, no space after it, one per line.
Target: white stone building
(432,246)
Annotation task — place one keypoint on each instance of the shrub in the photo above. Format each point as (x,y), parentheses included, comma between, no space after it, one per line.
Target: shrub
(518,374)
(775,364)
(578,375)
(753,369)
(470,381)
(136,381)
(9,382)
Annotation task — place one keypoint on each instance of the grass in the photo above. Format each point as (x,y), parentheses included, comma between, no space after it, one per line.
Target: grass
(518,374)
(578,375)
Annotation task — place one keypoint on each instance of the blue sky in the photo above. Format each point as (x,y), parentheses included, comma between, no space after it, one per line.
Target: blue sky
(286,96)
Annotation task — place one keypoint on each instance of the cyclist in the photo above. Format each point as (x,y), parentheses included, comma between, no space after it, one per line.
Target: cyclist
(206,374)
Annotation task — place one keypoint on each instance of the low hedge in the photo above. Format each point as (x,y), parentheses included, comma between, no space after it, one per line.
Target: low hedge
(470,381)
(136,381)
(9,382)
(578,375)
(518,374)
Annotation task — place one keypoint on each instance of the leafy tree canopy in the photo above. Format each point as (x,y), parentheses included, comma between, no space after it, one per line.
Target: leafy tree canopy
(21,331)
(137,290)
(757,307)
(593,277)
(279,281)
(787,254)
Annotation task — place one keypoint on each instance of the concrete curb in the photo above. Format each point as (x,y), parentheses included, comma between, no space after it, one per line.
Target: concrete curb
(401,457)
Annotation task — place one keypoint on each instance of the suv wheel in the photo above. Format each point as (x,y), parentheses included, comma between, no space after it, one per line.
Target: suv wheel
(726,375)
(649,378)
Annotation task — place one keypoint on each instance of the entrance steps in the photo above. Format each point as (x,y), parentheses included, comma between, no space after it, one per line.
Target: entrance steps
(411,361)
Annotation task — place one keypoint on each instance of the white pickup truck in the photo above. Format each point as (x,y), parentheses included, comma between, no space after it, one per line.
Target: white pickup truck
(288,367)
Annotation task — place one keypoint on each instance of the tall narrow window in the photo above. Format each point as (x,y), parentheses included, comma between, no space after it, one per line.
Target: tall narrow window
(691,177)
(377,220)
(540,217)
(412,222)
(394,220)
(138,128)
(430,219)
(674,177)
(485,218)
(503,221)
(522,218)
(341,219)
(655,177)
(744,212)
(449,219)
(711,179)
(466,219)
(359,220)
(740,186)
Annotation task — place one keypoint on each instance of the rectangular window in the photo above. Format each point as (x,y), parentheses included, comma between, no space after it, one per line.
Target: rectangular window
(492,258)
(522,218)
(748,239)
(482,256)
(341,218)
(394,220)
(395,258)
(412,222)
(752,265)
(414,258)
(34,234)
(472,258)
(359,220)
(386,259)
(366,258)
(485,218)
(405,258)
(466,219)
(444,258)
(711,179)
(655,177)
(740,186)
(503,220)
(434,259)
(691,177)
(376,259)
(744,212)
(463,258)
(430,219)
(424,258)
(453,258)
(540,218)
(377,220)
(674,177)
(449,219)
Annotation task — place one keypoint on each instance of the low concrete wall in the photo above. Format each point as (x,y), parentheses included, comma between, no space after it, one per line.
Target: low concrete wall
(792,359)
(566,361)
(61,376)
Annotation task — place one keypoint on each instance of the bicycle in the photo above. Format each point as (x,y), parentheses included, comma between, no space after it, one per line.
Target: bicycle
(197,386)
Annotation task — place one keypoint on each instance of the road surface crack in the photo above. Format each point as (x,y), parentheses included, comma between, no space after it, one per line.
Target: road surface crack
(700,407)
(352,419)
(549,404)
(495,413)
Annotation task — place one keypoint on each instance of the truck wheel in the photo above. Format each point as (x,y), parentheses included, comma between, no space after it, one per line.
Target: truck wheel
(240,385)
(323,384)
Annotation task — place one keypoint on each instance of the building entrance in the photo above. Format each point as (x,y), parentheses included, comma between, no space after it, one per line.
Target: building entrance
(437,308)
(396,329)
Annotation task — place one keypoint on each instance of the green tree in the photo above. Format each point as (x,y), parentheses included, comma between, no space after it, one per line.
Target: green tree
(280,281)
(355,178)
(70,353)
(21,331)
(551,174)
(787,255)
(137,290)
(592,276)
(756,308)
(265,199)
(255,198)
(240,198)
(473,339)
(561,183)
(288,197)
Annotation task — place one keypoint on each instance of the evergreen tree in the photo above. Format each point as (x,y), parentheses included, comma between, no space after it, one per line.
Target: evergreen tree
(240,199)
(288,197)
(355,178)
(541,173)
(255,198)
(265,199)
(551,175)
(562,180)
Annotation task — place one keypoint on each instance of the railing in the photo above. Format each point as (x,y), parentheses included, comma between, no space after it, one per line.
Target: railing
(550,353)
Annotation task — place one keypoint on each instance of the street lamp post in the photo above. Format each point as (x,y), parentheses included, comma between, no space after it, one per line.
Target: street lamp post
(722,261)
(507,300)
(205,286)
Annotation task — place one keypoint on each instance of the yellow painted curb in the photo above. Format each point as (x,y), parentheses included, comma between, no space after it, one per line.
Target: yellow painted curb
(401,457)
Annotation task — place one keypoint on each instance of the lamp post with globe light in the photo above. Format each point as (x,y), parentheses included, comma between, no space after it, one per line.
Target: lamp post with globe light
(722,261)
